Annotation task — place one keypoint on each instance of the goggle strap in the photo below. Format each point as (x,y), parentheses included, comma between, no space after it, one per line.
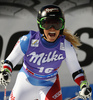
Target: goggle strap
(38,22)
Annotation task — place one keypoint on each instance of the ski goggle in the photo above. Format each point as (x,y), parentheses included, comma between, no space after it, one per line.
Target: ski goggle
(47,23)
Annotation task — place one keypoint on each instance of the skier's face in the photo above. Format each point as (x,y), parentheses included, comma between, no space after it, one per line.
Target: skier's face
(51,34)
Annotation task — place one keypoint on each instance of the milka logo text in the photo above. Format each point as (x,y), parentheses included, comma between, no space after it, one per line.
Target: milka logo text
(43,58)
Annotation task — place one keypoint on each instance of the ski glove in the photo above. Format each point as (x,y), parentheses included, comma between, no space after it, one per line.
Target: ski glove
(86,90)
(5,76)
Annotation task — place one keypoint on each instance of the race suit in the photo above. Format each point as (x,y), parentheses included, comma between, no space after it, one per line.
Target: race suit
(38,78)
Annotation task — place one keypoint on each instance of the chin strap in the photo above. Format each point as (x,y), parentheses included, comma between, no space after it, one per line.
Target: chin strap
(43,36)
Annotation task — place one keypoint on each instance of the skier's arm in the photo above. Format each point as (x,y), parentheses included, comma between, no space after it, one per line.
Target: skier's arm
(19,50)
(76,71)
(12,60)
(72,63)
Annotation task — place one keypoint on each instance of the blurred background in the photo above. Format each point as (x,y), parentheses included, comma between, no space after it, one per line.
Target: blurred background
(18,17)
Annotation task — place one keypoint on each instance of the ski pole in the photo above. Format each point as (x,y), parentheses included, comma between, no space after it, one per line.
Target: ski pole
(5,93)
(74,97)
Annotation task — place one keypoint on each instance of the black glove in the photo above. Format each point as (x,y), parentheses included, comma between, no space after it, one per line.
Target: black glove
(5,75)
(86,90)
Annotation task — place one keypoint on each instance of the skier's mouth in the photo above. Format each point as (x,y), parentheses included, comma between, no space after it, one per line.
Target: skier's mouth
(52,34)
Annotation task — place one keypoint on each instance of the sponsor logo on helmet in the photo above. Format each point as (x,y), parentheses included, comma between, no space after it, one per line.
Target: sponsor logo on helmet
(51,10)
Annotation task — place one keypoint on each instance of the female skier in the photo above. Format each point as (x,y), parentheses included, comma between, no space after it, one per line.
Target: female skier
(43,52)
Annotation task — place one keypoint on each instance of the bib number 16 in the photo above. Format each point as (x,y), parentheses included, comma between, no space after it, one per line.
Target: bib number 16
(46,70)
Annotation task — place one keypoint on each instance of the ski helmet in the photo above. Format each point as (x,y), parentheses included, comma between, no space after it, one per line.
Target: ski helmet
(50,12)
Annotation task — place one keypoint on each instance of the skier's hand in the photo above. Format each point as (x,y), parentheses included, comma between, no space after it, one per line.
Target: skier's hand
(5,75)
(86,90)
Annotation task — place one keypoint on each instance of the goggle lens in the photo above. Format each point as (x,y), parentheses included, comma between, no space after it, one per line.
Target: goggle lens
(47,23)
